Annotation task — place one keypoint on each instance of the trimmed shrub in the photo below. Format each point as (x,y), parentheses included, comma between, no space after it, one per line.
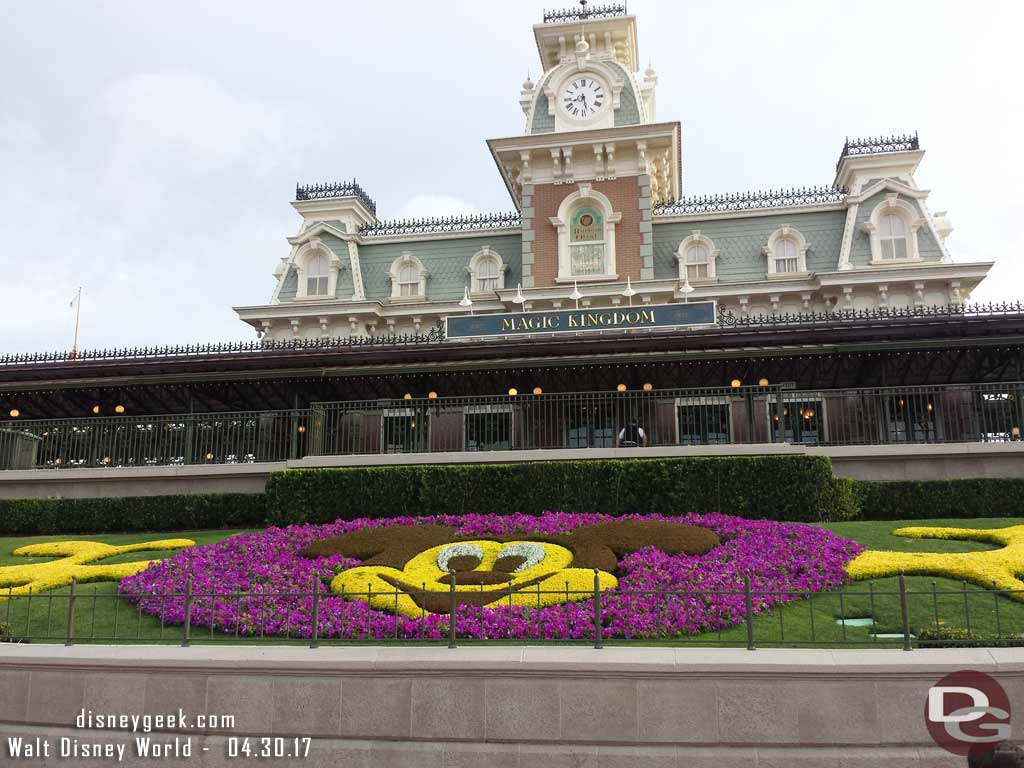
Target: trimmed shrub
(137,513)
(922,499)
(796,488)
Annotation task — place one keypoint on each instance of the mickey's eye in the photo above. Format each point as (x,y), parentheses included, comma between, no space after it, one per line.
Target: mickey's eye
(460,557)
(517,557)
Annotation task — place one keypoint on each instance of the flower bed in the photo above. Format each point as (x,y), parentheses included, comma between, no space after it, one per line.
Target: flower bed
(262,583)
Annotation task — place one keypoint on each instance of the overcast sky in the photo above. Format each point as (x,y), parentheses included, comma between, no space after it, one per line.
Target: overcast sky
(149,151)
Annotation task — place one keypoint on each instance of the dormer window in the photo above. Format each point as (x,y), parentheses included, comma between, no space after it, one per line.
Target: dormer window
(317,273)
(787,252)
(487,271)
(892,230)
(892,235)
(696,256)
(785,256)
(408,277)
(408,281)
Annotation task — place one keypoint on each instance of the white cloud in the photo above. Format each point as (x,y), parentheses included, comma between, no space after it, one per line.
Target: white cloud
(172,220)
(428,206)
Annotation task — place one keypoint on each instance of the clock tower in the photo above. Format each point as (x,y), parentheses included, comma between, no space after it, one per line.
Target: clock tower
(593,161)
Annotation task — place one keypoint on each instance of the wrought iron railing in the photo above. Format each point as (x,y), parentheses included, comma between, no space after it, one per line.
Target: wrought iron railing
(873,146)
(764,618)
(434,336)
(335,189)
(146,441)
(467,223)
(530,420)
(728,318)
(584,13)
(745,201)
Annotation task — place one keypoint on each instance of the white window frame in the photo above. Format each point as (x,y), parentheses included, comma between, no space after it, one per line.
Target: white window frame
(309,251)
(485,409)
(407,259)
(484,254)
(696,238)
(585,195)
(786,233)
(725,400)
(912,222)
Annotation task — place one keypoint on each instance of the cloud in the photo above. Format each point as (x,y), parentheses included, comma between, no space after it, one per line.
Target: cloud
(176,216)
(429,206)
(193,119)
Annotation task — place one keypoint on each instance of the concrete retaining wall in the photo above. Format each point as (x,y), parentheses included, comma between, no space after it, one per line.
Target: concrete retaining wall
(505,706)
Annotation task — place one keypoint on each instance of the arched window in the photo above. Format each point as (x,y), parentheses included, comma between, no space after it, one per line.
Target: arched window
(892,235)
(486,275)
(586,236)
(787,252)
(696,256)
(785,256)
(586,241)
(317,272)
(408,277)
(486,271)
(409,280)
(892,230)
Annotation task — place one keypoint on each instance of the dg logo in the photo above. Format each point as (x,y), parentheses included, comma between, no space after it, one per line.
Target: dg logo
(967,713)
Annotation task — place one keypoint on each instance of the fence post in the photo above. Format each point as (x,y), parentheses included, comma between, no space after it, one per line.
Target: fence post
(315,641)
(905,613)
(451,615)
(779,436)
(598,639)
(186,631)
(69,639)
(748,596)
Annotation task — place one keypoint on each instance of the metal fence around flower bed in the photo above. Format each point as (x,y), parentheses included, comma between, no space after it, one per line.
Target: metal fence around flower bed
(317,616)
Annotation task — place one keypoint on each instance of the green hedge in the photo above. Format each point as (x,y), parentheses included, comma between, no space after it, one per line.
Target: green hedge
(775,487)
(919,499)
(141,513)
(796,488)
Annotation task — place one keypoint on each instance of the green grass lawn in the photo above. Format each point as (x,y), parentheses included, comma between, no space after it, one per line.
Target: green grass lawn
(99,614)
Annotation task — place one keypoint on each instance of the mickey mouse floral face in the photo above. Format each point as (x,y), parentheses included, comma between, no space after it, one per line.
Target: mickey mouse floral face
(413,570)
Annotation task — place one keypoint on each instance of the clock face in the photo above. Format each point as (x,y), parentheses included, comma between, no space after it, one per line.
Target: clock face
(583,97)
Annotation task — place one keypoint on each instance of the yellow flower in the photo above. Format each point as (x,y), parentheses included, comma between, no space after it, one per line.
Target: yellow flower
(74,563)
(423,586)
(993,569)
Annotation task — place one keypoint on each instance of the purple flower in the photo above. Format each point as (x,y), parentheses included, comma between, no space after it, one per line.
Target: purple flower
(258,584)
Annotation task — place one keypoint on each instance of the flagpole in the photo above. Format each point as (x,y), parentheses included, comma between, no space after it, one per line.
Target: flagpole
(78,314)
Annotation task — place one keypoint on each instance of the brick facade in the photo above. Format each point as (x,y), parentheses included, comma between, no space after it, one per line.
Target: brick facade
(625,198)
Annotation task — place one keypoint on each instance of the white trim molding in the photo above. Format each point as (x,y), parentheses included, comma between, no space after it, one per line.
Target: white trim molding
(483,254)
(407,258)
(585,194)
(696,237)
(912,221)
(786,233)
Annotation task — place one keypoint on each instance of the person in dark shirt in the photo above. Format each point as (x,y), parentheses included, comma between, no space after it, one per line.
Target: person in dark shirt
(631,435)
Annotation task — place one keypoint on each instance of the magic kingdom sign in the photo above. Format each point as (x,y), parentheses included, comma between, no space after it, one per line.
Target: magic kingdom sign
(656,316)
